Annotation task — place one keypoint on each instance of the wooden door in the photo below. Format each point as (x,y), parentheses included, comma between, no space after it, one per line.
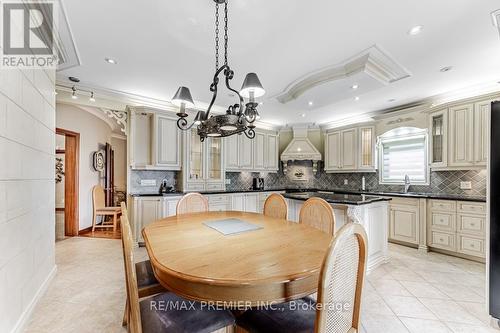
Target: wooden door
(109,177)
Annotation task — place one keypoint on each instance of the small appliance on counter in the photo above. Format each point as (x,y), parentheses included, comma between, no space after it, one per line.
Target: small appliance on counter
(258,184)
(165,188)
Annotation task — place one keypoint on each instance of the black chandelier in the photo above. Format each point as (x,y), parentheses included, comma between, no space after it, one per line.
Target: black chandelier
(235,120)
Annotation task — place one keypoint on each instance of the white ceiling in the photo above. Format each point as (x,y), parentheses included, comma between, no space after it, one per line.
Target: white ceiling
(160,45)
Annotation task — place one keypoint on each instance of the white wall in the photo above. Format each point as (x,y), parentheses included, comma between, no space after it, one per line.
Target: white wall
(27,150)
(94,133)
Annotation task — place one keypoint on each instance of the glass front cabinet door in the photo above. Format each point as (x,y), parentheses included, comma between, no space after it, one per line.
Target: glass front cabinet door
(203,168)
(438,144)
(367,148)
(214,160)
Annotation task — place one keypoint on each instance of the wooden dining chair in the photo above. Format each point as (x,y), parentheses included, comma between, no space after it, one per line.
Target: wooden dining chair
(147,284)
(192,203)
(339,293)
(318,213)
(276,206)
(165,312)
(100,209)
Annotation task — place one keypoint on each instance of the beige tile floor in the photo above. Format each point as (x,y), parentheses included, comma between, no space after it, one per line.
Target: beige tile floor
(414,293)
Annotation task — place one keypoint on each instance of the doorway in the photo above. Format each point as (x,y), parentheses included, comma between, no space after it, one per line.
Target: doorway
(67,173)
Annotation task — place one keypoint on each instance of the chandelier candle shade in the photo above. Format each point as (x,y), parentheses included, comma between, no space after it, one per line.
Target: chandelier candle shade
(237,119)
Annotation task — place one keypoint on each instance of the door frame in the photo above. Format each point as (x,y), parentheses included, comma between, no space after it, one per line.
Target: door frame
(71,181)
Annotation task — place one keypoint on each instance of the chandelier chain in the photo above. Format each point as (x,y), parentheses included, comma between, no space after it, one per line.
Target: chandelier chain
(226,38)
(216,37)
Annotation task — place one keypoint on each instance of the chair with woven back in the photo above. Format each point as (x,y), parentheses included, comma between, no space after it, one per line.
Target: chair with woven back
(192,203)
(318,213)
(100,209)
(339,293)
(276,206)
(147,284)
(165,312)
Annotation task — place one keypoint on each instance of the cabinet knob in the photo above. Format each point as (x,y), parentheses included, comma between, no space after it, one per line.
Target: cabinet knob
(472,224)
(441,220)
(441,240)
(472,245)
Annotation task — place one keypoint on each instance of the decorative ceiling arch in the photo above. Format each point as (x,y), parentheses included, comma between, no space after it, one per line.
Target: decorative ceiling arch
(373,62)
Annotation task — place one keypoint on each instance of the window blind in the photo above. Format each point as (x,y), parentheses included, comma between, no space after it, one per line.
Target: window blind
(404,156)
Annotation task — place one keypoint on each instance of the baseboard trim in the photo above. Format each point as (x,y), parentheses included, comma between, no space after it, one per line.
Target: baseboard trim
(83,231)
(26,315)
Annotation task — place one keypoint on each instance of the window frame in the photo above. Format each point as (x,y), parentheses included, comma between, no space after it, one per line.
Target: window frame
(415,133)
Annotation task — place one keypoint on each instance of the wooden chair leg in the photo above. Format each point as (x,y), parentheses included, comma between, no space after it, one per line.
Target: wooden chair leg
(94,217)
(114,223)
(125,314)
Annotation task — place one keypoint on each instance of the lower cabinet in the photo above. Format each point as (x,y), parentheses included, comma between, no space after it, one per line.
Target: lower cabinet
(458,226)
(146,210)
(404,220)
(219,202)
(245,202)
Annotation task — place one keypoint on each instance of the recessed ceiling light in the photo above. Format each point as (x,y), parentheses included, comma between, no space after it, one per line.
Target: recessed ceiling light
(355,86)
(415,30)
(446,69)
(111,61)
(356,98)
(261,103)
(303,115)
(310,103)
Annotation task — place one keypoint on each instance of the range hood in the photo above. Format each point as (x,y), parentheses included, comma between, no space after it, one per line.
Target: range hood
(300,149)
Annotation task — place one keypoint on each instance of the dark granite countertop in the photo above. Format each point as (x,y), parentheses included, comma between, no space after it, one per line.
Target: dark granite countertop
(440,196)
(337,198)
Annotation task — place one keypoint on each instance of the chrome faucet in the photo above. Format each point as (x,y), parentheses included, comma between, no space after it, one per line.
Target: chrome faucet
(407,183)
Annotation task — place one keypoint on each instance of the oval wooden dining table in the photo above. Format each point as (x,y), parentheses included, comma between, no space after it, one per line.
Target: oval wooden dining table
(278,263)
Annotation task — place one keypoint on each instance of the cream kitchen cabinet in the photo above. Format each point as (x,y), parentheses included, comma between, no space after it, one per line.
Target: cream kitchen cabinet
(154,140)
(245,202)
(350,150)
(459,136)
(404,220)
(203,167)
(167,142)
(146,210)
(461,132)
(253,155)
(458,227)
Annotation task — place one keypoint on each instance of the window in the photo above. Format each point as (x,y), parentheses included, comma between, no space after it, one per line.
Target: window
(403,151)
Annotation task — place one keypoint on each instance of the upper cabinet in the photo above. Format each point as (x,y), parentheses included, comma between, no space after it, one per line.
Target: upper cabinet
(350,150)
(203,168)
(257,154)
(459,136)
(154,140)
(438,124)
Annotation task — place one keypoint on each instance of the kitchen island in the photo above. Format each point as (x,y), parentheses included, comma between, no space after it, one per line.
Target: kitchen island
(372,212)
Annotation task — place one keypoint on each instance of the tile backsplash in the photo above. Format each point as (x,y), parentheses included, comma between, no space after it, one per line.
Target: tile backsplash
(446,182)
(137,175)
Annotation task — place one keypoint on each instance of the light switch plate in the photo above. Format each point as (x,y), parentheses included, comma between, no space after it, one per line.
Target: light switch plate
(148,182)
(346,182)
(465,185)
